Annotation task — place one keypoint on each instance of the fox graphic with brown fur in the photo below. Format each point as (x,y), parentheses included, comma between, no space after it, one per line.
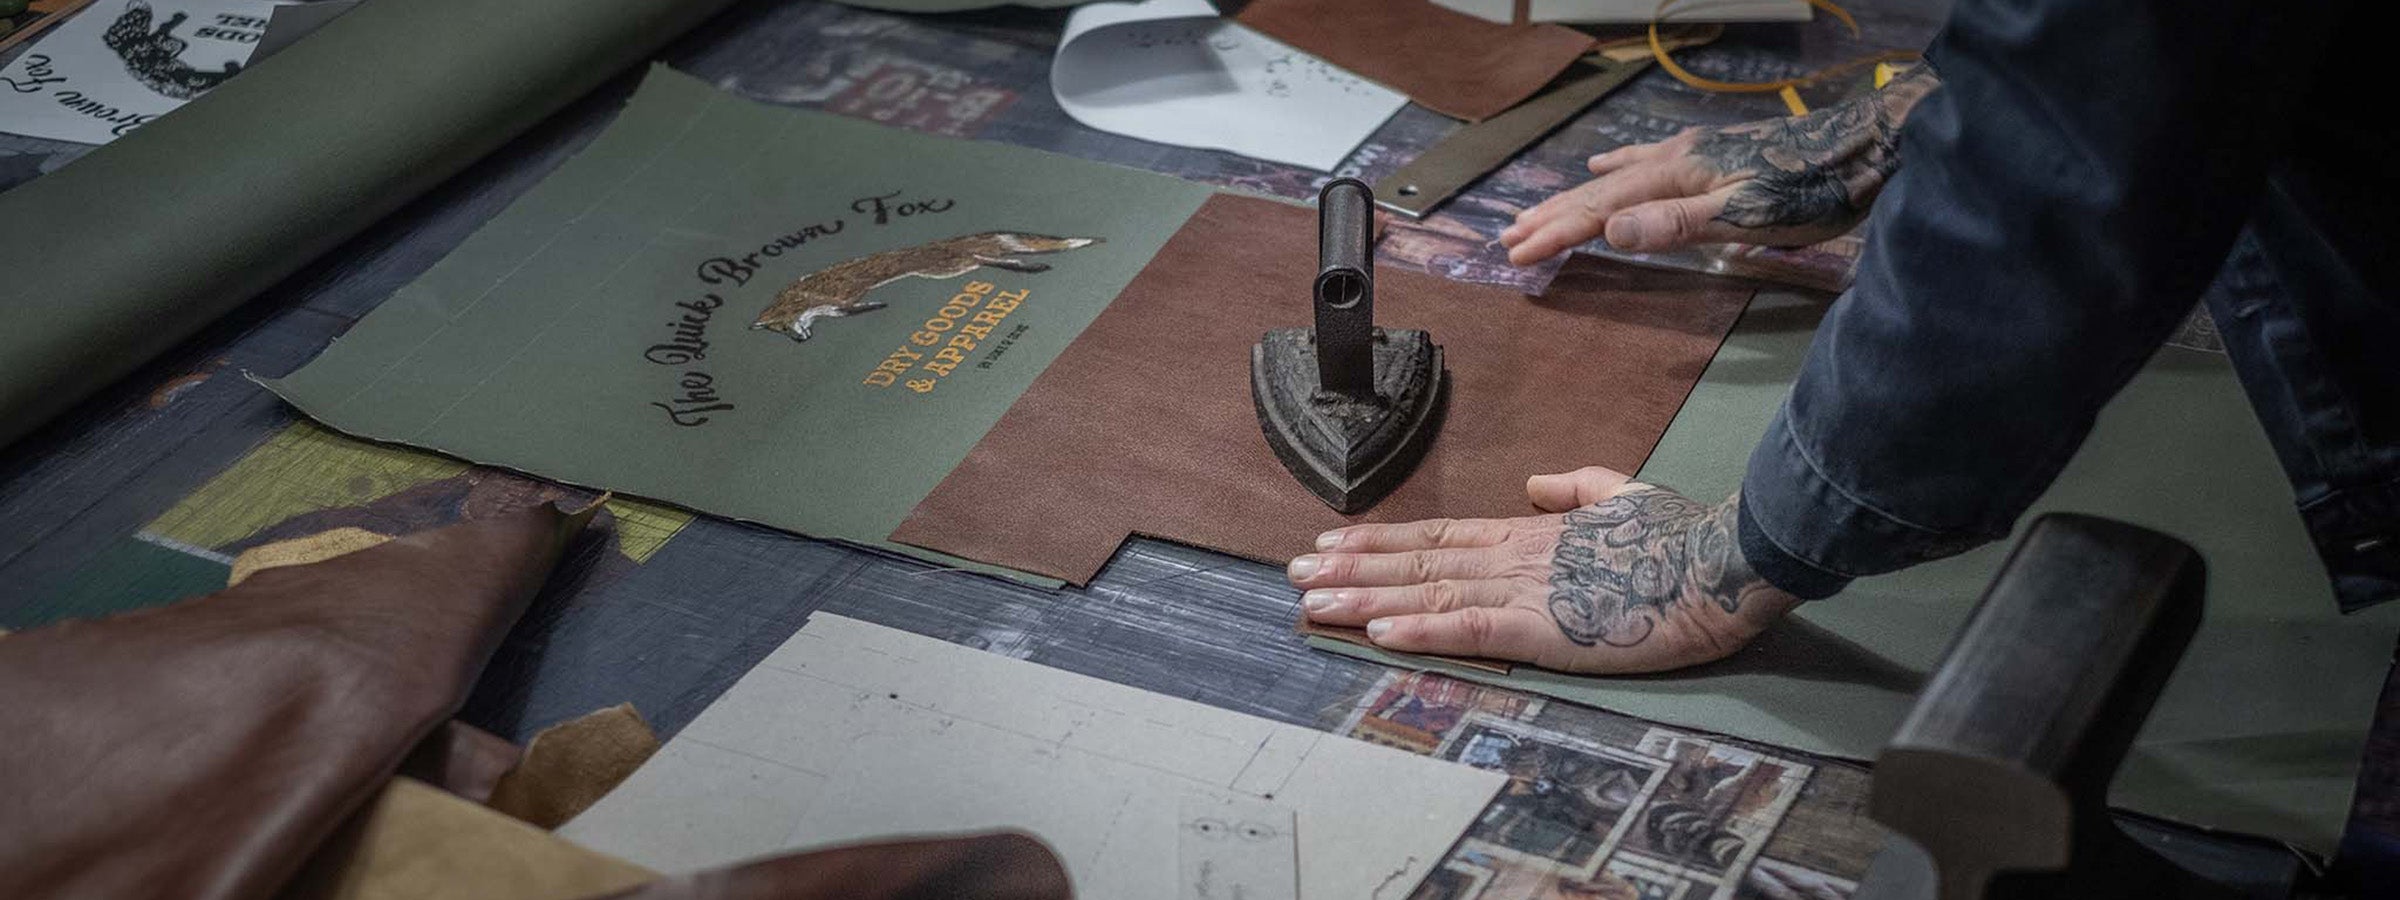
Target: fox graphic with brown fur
(841,289)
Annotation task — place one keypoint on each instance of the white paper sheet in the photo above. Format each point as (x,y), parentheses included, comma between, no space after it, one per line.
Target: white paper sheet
(1624,11)
(121,63)
(1174,72)
(852,731)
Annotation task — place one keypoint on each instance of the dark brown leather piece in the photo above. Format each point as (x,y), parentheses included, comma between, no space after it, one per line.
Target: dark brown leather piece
(204,749)
(1000,866)
(1145,426)
(1452,62)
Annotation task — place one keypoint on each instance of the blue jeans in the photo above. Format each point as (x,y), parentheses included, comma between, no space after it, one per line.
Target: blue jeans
(2063,201)
(2319,355)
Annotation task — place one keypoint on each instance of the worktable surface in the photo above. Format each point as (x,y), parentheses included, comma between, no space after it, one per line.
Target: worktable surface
(666,610)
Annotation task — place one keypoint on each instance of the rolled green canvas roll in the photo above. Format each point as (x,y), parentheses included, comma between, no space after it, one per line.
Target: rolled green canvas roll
(115,258)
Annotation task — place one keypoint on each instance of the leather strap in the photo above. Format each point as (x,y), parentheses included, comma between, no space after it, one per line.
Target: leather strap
(1476,149)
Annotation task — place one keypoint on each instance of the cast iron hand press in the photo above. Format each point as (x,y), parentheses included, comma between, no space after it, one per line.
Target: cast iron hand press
(1996,785)
(1348,407)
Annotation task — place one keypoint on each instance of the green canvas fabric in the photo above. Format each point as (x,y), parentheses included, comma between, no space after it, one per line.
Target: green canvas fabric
(595,333)
(2262,727)
(115,258)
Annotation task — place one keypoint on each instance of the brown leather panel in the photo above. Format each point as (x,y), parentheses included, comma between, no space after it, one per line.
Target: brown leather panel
(1452,62)
(204,749)
(1145,426)
(1001,866)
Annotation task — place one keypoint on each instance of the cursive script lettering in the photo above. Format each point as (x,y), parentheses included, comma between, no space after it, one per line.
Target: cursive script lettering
(721,269)
(124,121)
(37,73)
(690,408)
(885,212)
(690,341)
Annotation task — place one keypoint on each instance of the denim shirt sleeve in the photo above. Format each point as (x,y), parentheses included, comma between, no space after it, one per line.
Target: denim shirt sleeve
(2062,200)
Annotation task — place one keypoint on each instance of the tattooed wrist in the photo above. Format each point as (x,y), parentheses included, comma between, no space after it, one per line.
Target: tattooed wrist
(1719,571)
(1820,170)
(1626,563)
(1900,95)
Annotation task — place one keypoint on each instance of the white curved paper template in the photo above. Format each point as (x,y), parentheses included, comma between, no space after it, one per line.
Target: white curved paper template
(1174,72)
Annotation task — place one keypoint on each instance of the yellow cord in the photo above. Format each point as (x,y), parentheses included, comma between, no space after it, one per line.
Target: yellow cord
(1787,88)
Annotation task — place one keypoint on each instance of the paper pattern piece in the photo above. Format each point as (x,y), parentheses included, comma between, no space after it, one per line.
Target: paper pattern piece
(1457,65)
(772,315)
(1146,426)
(1630,12)
(121,63)
(1174,72)
(2260,730)
(852,731)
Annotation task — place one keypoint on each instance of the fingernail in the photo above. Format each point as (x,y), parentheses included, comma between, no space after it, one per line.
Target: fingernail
(1628,229)
(1321,601)
(1305,567)
(1329,540)
(1378,628)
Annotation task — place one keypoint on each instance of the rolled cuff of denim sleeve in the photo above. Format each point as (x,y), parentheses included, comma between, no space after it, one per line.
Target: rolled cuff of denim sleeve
(1781,569)
(1810,537)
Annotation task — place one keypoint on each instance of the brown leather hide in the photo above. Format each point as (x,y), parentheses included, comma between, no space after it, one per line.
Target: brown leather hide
(202,750)
(1145,426)
(1452,62)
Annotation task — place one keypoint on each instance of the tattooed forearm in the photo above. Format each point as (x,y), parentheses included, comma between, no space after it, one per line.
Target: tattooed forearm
(1820,169)
(1622,565)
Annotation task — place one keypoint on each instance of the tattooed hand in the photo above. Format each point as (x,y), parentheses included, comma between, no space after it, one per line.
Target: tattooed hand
(1631,578)
(1784,182)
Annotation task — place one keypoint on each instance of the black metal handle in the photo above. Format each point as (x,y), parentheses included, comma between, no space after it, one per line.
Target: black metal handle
(1345,288)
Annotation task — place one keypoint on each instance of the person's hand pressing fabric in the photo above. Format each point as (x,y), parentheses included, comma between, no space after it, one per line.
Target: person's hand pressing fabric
(1784,182)
(1622,577)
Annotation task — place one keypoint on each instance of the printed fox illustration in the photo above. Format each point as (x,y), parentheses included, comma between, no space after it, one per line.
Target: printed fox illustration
(841,289)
